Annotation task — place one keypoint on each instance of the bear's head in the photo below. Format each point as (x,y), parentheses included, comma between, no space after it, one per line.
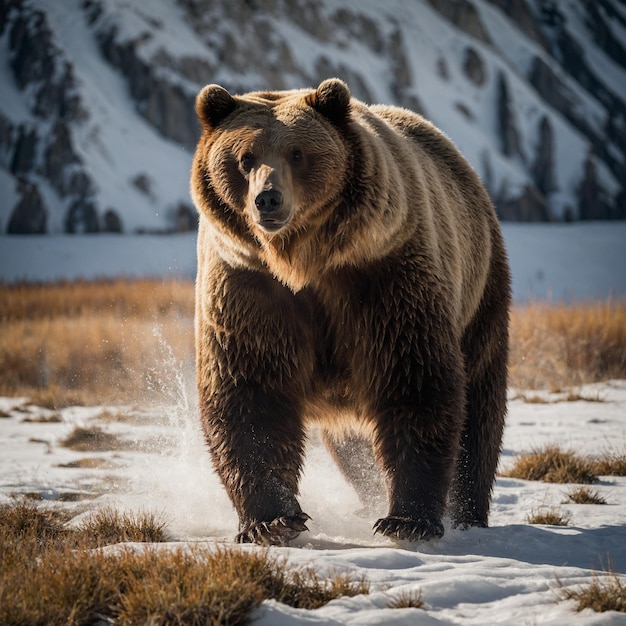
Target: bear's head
(270,163)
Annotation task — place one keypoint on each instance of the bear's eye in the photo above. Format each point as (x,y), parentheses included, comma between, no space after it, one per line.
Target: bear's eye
(246,162)
(296,156)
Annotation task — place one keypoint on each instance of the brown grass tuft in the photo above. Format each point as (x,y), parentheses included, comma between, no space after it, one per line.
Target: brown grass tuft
(55,418)
(552,465)
(584,495)
(89,463)
(550,516)
(47,576)
(570,396)
(406,600)
(24,520)
(611,463)
(108,526)
(606,592)
(93,440)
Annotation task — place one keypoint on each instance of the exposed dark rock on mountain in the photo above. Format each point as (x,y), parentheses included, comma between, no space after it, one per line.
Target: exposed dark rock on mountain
(507,127)
(543,169)
(29,215)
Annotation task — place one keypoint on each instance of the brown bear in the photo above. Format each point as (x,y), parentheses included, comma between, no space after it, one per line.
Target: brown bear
(351,273)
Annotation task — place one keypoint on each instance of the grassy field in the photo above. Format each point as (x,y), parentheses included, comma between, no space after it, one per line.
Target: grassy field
(104,342)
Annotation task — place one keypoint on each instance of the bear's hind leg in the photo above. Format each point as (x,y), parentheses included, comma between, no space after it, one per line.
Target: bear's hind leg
(354,457)
(418,446)
(485,347)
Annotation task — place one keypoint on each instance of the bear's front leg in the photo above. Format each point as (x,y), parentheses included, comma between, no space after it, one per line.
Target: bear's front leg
(256,441)
(254,359)
(417,441)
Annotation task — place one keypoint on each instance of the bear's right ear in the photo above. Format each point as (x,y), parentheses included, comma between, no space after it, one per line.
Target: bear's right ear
(213,104)
(332,100)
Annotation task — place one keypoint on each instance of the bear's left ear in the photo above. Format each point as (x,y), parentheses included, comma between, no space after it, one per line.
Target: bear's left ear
(332,100)
(213,104)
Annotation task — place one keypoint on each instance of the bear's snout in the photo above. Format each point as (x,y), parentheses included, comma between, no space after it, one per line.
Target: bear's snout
(269,201)
(272,214)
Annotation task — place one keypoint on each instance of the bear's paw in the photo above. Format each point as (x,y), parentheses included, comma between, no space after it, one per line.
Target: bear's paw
(406,528)
(278,532)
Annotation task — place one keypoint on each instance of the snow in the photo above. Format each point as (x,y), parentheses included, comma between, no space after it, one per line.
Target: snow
(558,262)
(504,574)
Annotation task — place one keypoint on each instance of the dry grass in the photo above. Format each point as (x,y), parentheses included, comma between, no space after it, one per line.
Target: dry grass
(606,592)
(55,418)
(551,464)
(406,600)
(90,343)
(93,440)
(569,396)
(611,463)
(49,575)
(556,346)
(550,516)
(108,526)
(584,495)
(110,341)
(122,299)
(89,463)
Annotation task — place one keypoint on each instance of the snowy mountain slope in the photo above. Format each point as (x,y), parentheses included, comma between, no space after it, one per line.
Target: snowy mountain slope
(97,127)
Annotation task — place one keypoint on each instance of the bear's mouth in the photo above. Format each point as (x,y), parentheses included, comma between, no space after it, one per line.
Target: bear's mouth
(271,224)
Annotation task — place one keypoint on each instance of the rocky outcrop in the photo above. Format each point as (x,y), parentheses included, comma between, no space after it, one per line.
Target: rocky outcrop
(463,14)
(29,215)
(507,126)
(474,67)
(518,12)
(111,222)
(34,61)
(529,206)
(166,105)
(593,203)
(543,168)
(24,150)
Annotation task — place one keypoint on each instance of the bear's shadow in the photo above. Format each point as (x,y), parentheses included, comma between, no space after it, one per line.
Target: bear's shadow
(587,548)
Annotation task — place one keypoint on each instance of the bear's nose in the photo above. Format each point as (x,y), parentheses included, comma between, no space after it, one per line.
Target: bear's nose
(269,201)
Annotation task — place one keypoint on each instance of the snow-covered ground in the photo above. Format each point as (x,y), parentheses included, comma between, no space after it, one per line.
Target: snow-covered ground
(575,261)
(506,573)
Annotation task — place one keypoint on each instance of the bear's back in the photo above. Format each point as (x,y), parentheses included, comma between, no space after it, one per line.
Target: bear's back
(454,205)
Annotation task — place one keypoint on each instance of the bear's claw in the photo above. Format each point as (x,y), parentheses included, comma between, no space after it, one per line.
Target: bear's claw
(408,528)
(278,532)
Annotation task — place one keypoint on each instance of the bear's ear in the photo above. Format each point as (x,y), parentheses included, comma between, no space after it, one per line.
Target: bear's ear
(213,104)
(331,99)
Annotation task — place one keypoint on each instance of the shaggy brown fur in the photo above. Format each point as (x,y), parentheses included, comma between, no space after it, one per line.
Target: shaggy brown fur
(351,272)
